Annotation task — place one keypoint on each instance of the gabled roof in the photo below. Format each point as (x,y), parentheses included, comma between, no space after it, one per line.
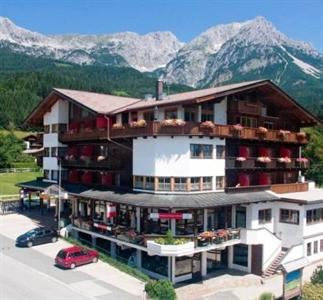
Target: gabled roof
(110,104)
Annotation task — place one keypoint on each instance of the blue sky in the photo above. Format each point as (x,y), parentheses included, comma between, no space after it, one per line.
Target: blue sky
(299,19)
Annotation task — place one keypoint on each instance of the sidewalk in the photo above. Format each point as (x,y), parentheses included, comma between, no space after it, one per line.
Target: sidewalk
(13,225)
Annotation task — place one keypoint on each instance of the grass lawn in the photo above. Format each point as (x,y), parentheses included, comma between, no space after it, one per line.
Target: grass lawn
(8,181)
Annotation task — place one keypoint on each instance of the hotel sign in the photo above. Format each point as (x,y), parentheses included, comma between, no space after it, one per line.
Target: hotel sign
(176,216)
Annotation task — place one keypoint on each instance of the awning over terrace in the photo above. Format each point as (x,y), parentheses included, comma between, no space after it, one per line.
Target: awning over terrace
(142,199)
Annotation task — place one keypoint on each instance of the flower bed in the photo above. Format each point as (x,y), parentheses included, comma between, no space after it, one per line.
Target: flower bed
(179,249)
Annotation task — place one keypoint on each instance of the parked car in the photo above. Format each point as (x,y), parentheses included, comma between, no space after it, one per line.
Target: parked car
(37,236)
(72,257)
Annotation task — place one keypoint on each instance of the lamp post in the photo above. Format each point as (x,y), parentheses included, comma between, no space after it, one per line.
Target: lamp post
(59,196)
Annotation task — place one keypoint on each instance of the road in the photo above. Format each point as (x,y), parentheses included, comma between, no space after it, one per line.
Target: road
(30,274)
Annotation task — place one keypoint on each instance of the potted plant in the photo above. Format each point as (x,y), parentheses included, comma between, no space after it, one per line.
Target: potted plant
(241,159)
(302,161)
(237,128)
(284,160)
(207,125)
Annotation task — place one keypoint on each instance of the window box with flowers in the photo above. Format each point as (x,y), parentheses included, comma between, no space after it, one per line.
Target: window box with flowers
(117,126)
(207,125)
(264,159)
(237,129)
(302,162)
(262,131)
(284,160)
(301,136)
(138,124)
(173,123)
(283,134)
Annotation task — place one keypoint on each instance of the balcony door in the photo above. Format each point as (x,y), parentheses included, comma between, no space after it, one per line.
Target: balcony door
(241,217)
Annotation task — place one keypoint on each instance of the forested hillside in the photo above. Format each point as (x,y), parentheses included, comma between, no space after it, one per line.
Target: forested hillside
(25,80)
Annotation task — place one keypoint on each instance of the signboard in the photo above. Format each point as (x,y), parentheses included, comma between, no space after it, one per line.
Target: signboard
(176,216)
(292,284)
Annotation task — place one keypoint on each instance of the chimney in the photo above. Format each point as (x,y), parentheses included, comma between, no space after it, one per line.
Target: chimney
(159,90)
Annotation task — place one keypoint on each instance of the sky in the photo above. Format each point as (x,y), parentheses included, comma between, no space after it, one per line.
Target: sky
(298,19)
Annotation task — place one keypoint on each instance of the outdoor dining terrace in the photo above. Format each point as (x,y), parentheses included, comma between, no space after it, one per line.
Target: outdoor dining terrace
(196,243)
(179,128)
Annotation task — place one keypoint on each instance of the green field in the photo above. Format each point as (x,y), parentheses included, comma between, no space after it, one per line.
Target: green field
(8,181)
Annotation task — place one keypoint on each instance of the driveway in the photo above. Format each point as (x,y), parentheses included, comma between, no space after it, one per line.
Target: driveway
(31,274)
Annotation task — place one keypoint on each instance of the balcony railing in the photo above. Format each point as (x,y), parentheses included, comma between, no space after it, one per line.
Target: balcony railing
(92,162)
(189,128)
(290,187)
(253,163)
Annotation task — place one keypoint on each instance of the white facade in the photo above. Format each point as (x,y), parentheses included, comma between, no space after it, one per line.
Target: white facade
(57,115)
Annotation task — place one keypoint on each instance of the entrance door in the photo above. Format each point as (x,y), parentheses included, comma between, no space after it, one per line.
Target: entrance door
(256,259)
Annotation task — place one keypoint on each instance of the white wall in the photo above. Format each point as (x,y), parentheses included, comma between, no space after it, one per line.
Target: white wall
(220,112)
(58,114)
(166,156)
(252,215)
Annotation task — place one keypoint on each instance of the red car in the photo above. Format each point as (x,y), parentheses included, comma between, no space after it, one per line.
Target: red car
(75,256)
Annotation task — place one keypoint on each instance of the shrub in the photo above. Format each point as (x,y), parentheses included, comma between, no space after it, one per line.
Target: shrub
(317,276)
(266,296)
(160,290)
(168,239)
(312,291)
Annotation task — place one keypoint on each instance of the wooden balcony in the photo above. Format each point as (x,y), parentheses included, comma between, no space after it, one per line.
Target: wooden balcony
(290,187)
(92,163)
(252,163)
(190,129)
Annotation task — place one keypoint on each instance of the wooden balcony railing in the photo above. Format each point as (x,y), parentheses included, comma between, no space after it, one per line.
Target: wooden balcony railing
(252,163)
(290,187)
(190,129)
(92,163)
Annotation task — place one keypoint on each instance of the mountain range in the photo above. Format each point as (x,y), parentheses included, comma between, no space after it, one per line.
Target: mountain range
(222,54)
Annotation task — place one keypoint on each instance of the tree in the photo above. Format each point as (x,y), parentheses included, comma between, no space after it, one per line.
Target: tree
(312,291)
(317,276)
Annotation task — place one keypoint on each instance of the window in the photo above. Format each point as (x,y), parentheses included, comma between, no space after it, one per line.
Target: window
(155,263)
(46,174)
(314,216)
(183,265)
(207,183)
(46,152)
(207,112)
(240,255)
(264,216)
(180,184)
(164,184)
(309,249)
(54,152)
(269,125)
(99,210)
(171,113)
(149,116)
(46,128)
(139,182)
(190,114)
(150,183)
(219,183)
(201,151)
(54,175)
(321,245)
(316,247)
(54,128)
(220,152)
(289,216)
(195,183)
(247,121)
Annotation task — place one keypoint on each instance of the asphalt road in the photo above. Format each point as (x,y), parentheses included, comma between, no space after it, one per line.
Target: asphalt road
(27,274)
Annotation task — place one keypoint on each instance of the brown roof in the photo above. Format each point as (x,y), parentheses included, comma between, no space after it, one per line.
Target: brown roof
(110,104)
(100,103)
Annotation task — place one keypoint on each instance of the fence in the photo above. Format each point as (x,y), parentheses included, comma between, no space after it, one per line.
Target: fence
(19,170)
(9,206)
